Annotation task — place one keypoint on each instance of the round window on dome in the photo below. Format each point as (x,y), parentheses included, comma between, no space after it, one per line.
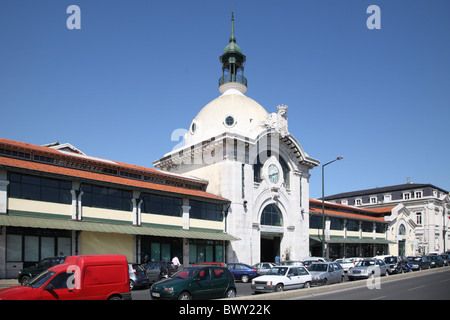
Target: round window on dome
(193,127)
(229,121)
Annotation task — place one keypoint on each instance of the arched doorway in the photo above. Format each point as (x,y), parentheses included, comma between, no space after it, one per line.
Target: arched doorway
(401,240)
(271,233)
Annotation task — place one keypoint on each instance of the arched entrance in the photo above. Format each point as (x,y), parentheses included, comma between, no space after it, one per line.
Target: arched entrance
(401,240)
(271,233)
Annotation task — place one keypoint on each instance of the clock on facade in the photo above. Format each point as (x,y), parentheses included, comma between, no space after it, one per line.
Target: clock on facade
(274,173)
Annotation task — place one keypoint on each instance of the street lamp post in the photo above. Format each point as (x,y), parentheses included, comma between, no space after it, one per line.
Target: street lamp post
(323,203)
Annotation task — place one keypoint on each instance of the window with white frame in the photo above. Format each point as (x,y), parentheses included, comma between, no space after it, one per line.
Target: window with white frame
(344,202)
(418,194)
(358,202)
(419,218)
(406,196)
(387,198)
(373,199)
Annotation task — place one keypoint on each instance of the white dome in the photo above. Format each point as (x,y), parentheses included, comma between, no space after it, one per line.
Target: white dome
(231,112)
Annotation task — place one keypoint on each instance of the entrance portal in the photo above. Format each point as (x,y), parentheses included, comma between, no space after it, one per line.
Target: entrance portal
(270,248)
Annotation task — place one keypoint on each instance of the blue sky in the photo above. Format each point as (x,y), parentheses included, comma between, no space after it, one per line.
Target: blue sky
(139,69)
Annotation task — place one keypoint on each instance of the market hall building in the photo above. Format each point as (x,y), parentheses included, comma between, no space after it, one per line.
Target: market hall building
(249,156)
(56,200)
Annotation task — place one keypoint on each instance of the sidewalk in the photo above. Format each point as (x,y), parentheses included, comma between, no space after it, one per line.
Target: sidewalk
(6,283)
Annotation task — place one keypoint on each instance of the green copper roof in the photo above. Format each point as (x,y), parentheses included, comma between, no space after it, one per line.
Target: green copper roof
(232,48)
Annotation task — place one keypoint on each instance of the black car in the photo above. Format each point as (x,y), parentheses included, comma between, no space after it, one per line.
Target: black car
(436,261)
(418,262)
(446,258)
(159,270)
(27,273)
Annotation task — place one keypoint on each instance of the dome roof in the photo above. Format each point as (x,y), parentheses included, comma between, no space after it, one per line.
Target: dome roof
(231,112)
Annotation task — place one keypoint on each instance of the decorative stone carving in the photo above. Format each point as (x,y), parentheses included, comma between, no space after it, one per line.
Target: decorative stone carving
(278,121)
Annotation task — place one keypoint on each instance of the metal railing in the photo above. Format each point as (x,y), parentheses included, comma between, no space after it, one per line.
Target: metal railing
(233,78)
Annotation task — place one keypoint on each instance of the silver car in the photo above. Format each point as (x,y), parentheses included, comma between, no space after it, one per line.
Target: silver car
(326,272)
(367,267)
(263,267)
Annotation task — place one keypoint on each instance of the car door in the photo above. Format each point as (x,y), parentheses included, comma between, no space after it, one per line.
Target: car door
(331,273)
(292,279)
(201,284)
(219,282)
(61,287)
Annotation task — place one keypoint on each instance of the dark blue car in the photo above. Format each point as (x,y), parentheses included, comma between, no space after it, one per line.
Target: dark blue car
(242,272)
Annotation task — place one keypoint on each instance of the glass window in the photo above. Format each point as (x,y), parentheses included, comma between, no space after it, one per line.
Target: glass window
(315,222)
(205,210)
(352,225)
(31,248)
(157,204)
(13,247)
(271,216)
(105,197)
(64,246)
(47,246)
(39,188)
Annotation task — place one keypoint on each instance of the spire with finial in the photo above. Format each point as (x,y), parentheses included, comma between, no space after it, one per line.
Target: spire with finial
(232,61)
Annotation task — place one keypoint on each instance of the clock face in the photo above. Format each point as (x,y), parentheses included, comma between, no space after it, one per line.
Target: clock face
(274,173)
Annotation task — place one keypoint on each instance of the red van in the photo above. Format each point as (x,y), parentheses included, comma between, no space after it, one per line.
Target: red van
(95,277)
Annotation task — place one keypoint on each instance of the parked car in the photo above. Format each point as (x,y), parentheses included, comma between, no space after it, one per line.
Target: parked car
(396,264)
(26,274)
(138,276)
(310,260)
(346,264)
(326,273)
(196,282)
(291,263)
(436,261)
(282,278)
(93,277)
(159,270)
(418,262)
(242,271)
(263,267)
(221,264)
(446,258)
(366,268)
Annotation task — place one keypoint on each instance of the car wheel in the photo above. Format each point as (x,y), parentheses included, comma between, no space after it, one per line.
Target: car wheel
(25,280)
(279,287)
(342,279)
(324,282)
(245,278)
(132,285)
(307,285)
(231,293)
(184,296)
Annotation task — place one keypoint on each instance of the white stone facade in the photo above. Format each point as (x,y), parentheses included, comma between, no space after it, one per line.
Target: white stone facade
(225,154)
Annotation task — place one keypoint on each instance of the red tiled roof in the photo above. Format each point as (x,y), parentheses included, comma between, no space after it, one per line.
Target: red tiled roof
(349,211)
(28,147)
(82,174)
(346,215)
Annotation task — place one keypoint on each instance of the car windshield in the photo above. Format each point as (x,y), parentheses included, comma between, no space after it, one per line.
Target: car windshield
(185,273)
(40,279)
(278,271)
(414,259)
(318,267)
(365,263)
(390,259)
